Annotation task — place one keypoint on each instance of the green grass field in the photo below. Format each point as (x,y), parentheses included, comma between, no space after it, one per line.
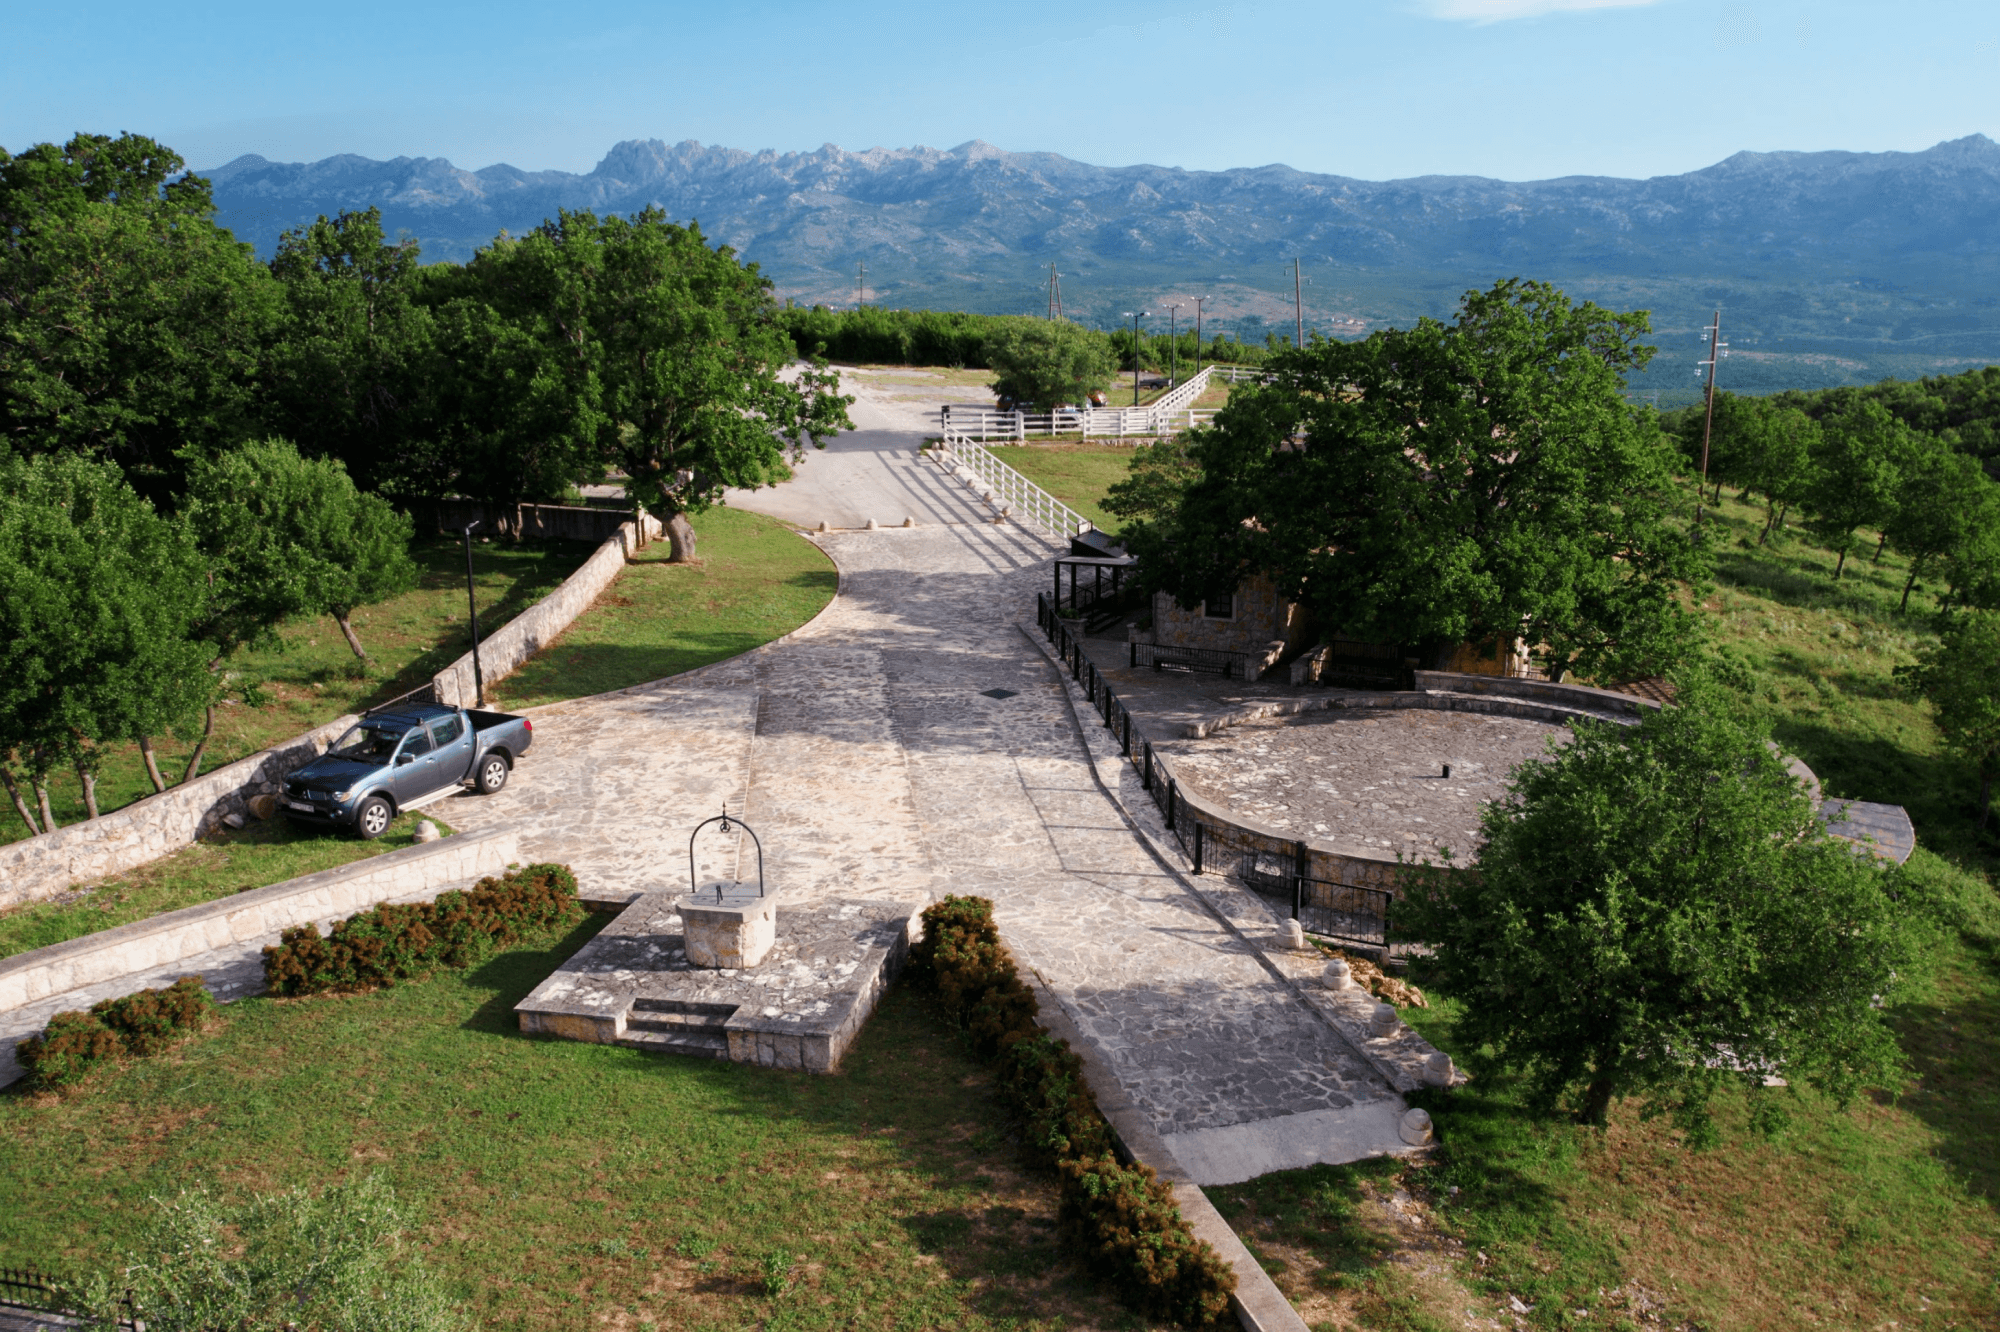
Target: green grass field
(1077,474)
(565,1185)
(254,856)
(756,580)
(312,676)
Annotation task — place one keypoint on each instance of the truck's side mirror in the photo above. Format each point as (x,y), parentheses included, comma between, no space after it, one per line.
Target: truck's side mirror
(402,759)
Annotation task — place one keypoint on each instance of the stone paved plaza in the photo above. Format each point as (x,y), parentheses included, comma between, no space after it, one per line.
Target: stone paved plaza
(1364,782)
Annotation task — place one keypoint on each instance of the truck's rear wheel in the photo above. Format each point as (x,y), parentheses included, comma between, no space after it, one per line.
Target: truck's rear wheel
(492,774)
(373,818)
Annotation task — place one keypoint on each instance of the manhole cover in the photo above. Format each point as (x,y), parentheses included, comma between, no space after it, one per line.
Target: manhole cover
(997,693)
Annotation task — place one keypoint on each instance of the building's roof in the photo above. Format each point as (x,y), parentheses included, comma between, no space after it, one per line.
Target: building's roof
(1884,829)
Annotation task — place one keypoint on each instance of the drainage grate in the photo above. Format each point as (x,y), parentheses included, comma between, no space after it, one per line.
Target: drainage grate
(996,693)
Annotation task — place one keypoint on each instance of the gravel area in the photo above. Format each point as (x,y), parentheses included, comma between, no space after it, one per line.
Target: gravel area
(1364,782)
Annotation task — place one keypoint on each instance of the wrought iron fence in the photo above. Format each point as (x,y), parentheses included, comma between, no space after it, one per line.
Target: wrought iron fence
(41,1292)
(1203,661)
(1345,912)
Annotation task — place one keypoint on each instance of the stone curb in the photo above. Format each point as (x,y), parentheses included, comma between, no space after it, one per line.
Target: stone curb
(1399,1057)
(161,940)
(1258,1303)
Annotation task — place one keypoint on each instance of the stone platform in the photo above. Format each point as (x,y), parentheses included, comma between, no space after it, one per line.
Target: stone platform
(799,1008)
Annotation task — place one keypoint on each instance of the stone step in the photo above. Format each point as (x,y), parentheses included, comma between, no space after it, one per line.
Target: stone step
(693,1041)
(684,1008)
(672,1022)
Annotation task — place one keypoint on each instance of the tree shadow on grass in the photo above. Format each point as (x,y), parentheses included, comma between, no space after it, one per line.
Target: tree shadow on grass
(1953,1045)
(1937,790)
(510,975)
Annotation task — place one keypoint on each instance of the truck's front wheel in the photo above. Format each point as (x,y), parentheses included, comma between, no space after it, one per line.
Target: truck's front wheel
(372,819)
(492,774)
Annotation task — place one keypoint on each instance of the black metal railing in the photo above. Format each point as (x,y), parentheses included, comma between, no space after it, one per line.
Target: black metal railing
(1206,661)
(421,694)
(1351,664)
(41,1292)
(1345,912)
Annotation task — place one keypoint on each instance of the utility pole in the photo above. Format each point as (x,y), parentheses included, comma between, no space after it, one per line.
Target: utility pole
(1174,346)
(1135,316)
(1197,332)
(861,284)
(1717,349)
(1298,302)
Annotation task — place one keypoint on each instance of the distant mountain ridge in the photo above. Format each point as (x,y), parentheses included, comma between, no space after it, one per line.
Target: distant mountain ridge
(977,226)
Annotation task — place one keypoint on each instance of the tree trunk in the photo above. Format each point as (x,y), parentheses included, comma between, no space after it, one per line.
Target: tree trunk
(1840,564)
(1783,514)
(1597,1101)
(88,780)
(27,815)
(152,764)
(353,639)
(42,799)
(681,534)
(1878,547)
(1906,589)
(1985,796)
(1770,520)
(194,759)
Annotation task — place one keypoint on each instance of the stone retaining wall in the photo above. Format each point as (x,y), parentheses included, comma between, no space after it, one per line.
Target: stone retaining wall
(38,868)
(329,895)
(533,629)
(1585,697)
(596,523)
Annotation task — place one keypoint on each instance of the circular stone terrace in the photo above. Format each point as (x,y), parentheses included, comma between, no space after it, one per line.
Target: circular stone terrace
(1365,782)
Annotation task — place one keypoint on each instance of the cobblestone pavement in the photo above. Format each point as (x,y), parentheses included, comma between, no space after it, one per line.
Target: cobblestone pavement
(869,755)
(1364,782)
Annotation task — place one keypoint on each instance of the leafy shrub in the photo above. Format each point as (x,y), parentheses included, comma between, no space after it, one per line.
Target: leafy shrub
(1123,1218)
(389,943)
(135,1024)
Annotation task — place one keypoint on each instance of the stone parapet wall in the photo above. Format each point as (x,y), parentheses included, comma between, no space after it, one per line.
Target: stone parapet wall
(321,899)
(538,626)
(37,868)
(1582,697)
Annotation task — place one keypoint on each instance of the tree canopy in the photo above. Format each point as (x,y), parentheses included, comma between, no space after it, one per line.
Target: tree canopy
(1045,364)
(1960,675)
(1445,484)
(1657,912)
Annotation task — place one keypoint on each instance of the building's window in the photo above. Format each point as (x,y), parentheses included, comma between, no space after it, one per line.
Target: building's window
(1219,608)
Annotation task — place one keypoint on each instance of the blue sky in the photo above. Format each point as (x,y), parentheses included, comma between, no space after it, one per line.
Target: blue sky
(1519,89)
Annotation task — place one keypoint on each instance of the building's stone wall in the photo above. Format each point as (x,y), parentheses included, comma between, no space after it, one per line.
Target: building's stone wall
(321,898)
(38,868)
(1262,618)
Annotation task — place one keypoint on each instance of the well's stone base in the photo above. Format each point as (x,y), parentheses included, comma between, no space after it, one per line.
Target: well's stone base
(636,985)
(727,934)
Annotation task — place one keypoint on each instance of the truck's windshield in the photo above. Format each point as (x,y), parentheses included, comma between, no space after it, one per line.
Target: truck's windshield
(368,744)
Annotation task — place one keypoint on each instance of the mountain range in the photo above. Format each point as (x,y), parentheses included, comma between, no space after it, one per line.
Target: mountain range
(1829,266)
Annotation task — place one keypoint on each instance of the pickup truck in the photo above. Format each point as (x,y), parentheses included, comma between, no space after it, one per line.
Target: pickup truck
(400,759)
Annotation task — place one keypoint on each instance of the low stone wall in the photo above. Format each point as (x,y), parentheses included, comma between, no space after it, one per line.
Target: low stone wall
(598,522)
(38,868)
(1584,697)
(533,629)
(329,895)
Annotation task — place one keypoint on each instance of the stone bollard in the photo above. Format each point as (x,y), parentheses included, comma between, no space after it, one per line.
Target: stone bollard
(823,527)
(427,831)
(909,522)
(1338,975)
(1437,1069)
(1291,934)
(871,524)
(1415,1128)
(1382,1020)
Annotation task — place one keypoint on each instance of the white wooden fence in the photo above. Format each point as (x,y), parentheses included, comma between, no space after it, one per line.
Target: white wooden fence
(1170,414)
(1010,493)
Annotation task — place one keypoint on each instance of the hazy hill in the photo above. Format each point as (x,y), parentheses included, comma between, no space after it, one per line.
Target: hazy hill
(1830,267)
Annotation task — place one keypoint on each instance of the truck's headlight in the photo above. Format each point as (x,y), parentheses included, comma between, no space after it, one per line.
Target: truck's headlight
(340,797)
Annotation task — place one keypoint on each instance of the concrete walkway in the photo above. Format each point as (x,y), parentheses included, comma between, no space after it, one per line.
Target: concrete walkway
(870,754)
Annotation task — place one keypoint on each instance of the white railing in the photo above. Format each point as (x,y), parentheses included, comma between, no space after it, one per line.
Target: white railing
(1010,493)
(1169,414)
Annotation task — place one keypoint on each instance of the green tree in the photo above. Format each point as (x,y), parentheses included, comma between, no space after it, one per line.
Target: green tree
(99,602)
(1862,451)
(1783,468)
(1960,675)
(1657,912)
(691,359)
(1045,364)
(130,324)
(1447,484)
(338,1260)
(1944,503)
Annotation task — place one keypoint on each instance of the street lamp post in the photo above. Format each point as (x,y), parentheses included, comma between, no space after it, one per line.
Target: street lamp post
(1197,332)
(1173,345)
(472,610)
(1135,316)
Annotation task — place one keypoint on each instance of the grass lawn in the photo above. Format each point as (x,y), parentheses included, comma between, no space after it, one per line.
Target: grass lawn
(756,580)
(312,676)
(565,1185)
(1077,474)
(254,856)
